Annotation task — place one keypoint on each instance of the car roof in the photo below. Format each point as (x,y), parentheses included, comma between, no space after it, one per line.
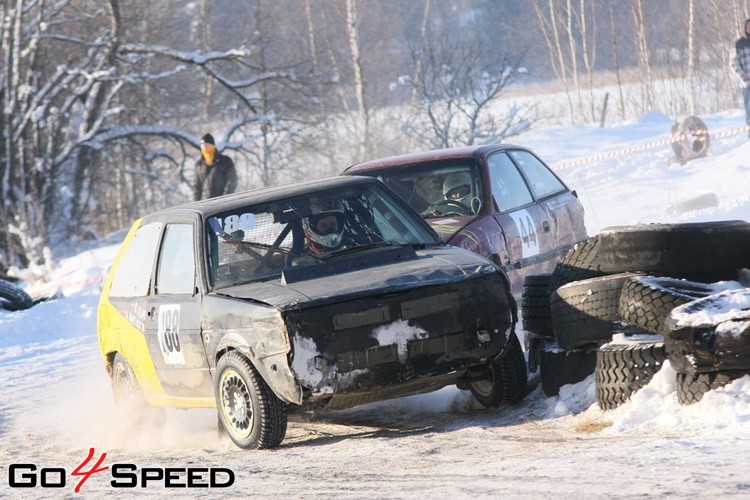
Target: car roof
(263,195)
(432,155)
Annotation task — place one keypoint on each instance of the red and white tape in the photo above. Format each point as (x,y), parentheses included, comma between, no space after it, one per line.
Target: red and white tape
(696,134)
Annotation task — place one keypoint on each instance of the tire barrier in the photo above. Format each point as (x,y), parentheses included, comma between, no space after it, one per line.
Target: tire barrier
(691,387)
(644,279)
(587,311)
(535,310)
(624,368)
(559,367)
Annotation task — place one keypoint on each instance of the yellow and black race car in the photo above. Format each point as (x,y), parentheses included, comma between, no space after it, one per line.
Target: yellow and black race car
(329,293)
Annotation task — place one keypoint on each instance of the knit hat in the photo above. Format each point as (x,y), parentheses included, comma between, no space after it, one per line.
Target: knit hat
(208,138)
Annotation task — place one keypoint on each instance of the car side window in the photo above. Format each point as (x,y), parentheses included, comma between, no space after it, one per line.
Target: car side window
(176,267)
(542,181)
(133,274)
(508,187)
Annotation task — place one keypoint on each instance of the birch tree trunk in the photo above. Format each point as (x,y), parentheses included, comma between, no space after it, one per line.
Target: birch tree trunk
(359,83)
(691,58)
(643,58)
(548,24)
(615,57)
(205,38)
(423,36)
(573,54)
(588,51)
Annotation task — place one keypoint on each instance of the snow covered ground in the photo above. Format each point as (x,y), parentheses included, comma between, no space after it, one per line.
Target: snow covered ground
(56,404)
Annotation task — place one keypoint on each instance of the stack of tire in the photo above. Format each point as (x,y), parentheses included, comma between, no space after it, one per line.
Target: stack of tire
(607,308)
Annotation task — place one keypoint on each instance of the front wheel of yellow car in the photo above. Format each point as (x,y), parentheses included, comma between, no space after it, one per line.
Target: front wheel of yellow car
(248,409)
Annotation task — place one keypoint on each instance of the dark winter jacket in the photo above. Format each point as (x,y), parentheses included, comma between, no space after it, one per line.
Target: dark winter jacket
(742,58)
(216,180)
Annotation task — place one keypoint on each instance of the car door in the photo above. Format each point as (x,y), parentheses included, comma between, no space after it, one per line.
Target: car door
(173,328)
(564,210)
(526,225)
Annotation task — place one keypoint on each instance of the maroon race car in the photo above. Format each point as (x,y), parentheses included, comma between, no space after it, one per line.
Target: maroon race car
(500,201)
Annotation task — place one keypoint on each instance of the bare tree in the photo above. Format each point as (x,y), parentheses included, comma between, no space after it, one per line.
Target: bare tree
(71,154)
(456,94)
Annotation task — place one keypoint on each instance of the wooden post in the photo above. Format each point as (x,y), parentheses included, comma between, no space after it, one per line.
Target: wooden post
(604,110)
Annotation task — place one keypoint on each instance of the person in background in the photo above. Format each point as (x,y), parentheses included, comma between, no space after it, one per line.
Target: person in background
(214,172)
(742,67)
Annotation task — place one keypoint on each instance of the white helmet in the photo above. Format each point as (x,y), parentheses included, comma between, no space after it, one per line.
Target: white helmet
(457,187)
(326,224)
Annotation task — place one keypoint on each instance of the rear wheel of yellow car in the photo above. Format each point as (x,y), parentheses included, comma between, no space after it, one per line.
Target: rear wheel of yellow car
(250,412)
(129,397)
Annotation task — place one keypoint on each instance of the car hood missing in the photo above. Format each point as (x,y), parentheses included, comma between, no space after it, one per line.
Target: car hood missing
(434,266)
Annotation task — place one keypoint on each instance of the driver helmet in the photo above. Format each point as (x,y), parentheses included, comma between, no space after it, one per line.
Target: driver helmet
(457,187)
(325,227)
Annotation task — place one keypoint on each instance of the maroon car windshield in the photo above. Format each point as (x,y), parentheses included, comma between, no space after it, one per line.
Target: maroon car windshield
(436,189)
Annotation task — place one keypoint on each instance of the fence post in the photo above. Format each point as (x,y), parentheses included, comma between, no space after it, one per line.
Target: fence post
(604,110)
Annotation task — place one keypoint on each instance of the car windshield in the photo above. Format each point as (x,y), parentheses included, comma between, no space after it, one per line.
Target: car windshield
(436,189)
(257,242)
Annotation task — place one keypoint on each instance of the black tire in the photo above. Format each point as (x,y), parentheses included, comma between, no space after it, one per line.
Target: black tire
(509,378)
(624,368)
(691,387)
(700,338)
(253,416)
(13,298)
(690,139)
(711,250)
(646,301)
(534,345)
(535,310)
(129,398)
(559,367)
(580,263)
(587,311)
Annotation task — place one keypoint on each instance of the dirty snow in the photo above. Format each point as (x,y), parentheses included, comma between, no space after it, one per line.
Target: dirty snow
(56,404)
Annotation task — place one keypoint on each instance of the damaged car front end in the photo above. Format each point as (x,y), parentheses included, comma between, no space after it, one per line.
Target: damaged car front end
(404,322)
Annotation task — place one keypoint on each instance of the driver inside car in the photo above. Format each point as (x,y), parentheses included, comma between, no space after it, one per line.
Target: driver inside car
(324,229)
(457,188)
(457,195)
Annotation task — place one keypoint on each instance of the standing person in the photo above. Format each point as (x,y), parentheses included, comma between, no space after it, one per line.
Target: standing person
(742,67)
(214,172)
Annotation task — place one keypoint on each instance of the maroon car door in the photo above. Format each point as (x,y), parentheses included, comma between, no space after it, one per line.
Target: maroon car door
(526,224)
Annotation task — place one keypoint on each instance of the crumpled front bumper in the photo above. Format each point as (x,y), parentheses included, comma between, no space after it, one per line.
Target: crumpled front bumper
(389,345)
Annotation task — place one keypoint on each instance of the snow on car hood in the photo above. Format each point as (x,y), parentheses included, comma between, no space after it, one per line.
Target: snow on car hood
(433,266)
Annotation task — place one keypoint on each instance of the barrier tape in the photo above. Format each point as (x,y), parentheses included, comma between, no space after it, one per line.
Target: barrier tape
(672,138)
